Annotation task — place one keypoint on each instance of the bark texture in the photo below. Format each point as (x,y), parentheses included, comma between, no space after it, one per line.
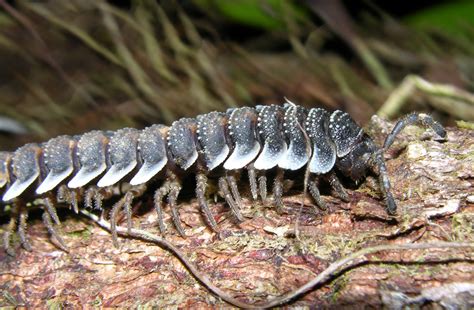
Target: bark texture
(261,258)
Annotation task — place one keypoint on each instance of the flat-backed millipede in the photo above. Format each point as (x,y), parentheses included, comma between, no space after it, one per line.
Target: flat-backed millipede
(313,143)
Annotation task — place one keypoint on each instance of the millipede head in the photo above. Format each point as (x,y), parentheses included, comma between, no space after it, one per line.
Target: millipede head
(358,162)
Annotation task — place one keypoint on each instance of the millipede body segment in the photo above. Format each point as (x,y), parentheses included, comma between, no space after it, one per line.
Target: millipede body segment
(217,147)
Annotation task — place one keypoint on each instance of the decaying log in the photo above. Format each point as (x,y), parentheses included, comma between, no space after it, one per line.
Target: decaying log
(264,257)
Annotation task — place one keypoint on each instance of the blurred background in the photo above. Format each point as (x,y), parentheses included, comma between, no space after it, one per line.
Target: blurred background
(67,67)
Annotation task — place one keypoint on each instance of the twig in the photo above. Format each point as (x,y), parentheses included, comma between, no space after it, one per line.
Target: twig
(333,270)
(450,99)
(143,235)
(356,259)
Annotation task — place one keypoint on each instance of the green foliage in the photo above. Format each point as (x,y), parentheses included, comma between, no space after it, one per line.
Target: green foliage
(453,17)
(266,14)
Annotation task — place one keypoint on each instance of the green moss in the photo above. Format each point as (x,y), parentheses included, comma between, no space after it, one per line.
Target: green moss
(84,234)
(97,302)
(55,304)
(465,125)
(337,287)
(463,227)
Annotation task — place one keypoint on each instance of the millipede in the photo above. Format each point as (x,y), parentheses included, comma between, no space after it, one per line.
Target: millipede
(219,147)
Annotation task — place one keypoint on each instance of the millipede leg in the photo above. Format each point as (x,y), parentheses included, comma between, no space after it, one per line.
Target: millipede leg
(68,196)
(48,203)
(22,229)
(278,190)
(175,188)
(314,191)
(235,190)
(262,184)
(201,184)
(113,221)
(127,206)
(379,168)
(98,198)
(57,237)
(88,196)
(7,237)
(224,188)
(253,182)
(62,194)
(158,198)
(338,190)
(74,201)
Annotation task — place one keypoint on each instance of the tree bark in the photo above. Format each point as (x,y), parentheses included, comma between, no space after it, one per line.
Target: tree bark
(261,258)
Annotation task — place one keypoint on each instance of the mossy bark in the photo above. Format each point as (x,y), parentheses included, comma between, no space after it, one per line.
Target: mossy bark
(261,258)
